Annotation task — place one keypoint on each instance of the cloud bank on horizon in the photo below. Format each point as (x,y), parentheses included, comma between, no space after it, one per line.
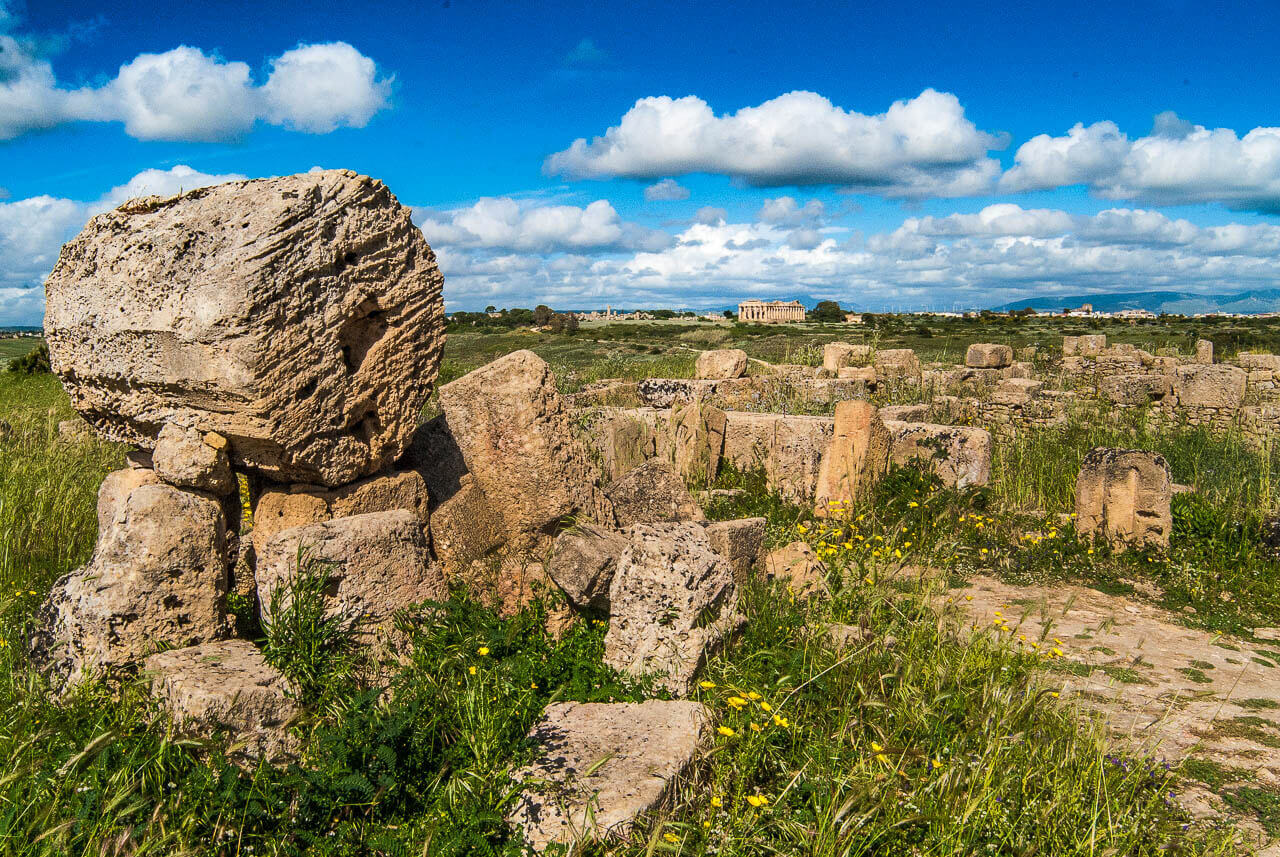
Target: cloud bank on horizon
(625,216)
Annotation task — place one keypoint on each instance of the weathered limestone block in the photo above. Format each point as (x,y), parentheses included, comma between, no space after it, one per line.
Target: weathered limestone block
(983,355)
(1123,495)
(905,413)
(1018,369)
(697,431)
(798,568)
(375,564)
(464,528)
(192,459)
(227,687)
(788,448)
(299,317)
(281,508)
(622,438)
(518,443)
(1083,346)
(865,375)
(1255,360)
(739,542)
(836,356)
(854,461)
(959,455)
(1204,351)
(722,363)
(1135,389)
(897,364)
(651,493)
(667,392)
(1016,392)
(599,766)
(158,576)
(582,563)
(1215,386)
(673,601)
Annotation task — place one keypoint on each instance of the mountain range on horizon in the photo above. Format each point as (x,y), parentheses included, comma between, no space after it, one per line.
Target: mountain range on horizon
(1175,303)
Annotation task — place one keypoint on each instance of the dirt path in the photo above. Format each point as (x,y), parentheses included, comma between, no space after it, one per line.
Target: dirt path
(1161,688)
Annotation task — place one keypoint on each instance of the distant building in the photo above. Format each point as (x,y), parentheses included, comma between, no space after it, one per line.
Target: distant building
(770,312)
(853,318)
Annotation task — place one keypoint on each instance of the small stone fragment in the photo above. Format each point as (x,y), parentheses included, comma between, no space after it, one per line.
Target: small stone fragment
(799,568)
(739,541)
(582,563)
(182,458)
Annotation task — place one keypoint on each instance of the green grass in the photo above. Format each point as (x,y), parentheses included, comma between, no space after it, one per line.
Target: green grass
(945,743)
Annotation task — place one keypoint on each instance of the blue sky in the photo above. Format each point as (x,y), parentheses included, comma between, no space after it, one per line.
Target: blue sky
(909,157)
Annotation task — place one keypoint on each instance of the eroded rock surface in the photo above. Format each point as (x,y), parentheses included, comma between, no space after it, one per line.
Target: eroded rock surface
(856,458)
(299,317)
(227,687)
(599,766)
(722,364)
(673,601)
(158,576)
(582,563)
(1123,495)
(651,493)
(192,459)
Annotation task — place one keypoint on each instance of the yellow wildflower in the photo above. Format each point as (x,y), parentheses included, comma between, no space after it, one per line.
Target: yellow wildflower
(726,731)
(757,800)
(671,837)
(482,651)
(706,685)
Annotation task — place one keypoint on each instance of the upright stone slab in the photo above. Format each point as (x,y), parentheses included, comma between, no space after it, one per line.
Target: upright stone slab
(1123,496)
(740,542)
(672,601)
(517,440)
(854,461)
(599,766)
(836,356)
(722,364)
(298,317)
(1204,351)
(697,432)
(158,577)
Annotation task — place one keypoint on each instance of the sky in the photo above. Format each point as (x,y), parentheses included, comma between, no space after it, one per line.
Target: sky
(887,156)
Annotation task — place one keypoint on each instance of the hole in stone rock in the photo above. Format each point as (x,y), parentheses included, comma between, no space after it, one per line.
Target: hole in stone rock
(361,332)
(368,427)
(344,260)
(331,587)
(307,389)
(171,601)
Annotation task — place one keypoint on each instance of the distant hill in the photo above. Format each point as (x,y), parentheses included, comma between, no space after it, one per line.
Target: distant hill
(1179,303)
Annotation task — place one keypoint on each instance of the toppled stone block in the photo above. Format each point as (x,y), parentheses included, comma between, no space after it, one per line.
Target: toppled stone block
(1255,360)
(652,493)
(281,508)
(721,364)
(582,563)
(1204,351)
(464,528)
(697,432)
(158,576)
(667,392)
(1016,392)
(798,568)
(854,461)
(844,355)
(193,459)
(518,443)
(1216,386)
(227,687)
(1123,495)
(1083,346)
(299,317)
(1135,389)
(897,365)
(905,413)
(864,375)
(739,542)
(673,601)
(375,564)
(788,448)
(959,455)
(984,355)
(599,766)
(622,438)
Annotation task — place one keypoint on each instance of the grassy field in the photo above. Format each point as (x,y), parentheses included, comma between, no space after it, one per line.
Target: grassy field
(924,738)
(11,348)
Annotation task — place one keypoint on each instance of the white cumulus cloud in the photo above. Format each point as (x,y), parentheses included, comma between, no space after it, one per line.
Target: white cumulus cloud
(502,223)
(666,190)
(1178,163)
(923,146)
(187,94)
